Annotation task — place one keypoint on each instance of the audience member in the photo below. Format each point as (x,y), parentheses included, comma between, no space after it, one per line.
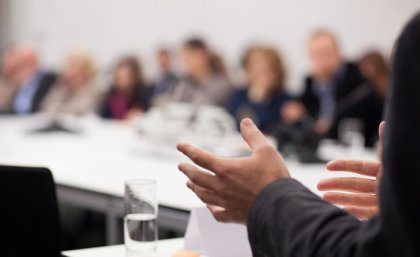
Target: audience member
(7,88)
(76,92)
(203,84)
(163,86)
(33,84)
(127,96)
(375,69)
(261,99)
(334,91)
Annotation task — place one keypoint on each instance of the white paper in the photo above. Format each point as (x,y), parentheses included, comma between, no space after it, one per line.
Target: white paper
(208,237)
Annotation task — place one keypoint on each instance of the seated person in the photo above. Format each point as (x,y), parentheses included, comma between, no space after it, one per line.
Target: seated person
(126,97)
(334,91)
(202,83)
(166,80)
(375,69)
(75,92)
(32,83)
(261,99)
(7,88)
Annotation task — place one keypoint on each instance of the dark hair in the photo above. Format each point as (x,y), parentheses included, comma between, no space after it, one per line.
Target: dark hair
(134,65)
(196,44)
(381,70)
(138,89)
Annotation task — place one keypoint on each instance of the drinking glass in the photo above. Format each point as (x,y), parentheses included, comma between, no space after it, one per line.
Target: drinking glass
(140,224)
(351,133)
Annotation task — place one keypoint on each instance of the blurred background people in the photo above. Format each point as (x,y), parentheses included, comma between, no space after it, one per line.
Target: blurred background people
(375,69)
(127,96)
(334,90)
(166,80)
(32,82)
(205,82)
(263,96)
(75,92)
(7,88)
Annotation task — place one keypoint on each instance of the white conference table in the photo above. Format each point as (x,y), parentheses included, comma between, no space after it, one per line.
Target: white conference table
(90,168)
(166,248)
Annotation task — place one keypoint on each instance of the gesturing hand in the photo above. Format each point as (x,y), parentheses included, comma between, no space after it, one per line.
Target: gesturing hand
(230,186)
(357,195)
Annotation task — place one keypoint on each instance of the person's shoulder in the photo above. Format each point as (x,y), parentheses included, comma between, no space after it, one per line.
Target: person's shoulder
(49,75)
(351,67)
(239,92)
(219,79)
(240,89)
(278,98)
(283,95)
(307,83)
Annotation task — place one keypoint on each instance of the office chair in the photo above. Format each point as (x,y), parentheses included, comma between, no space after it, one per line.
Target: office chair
(29,217)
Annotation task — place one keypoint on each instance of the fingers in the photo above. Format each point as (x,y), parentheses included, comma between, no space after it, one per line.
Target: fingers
(199,156)
(252,135)
(220,214)
(198,177)
(362,213)
(349,184)
(360,167)
(356,200)
(381,130)
(205,195)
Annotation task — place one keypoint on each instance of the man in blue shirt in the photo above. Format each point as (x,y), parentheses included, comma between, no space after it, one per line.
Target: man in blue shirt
(335,90)
(33,84)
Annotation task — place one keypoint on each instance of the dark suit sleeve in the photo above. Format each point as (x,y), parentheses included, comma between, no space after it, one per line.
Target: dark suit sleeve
(288,220)
(45,85)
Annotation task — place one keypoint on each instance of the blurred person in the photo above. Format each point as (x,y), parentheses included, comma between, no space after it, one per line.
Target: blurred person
(375,69)
(7,88)
(163,86)
(335,90)
(126,97)
(75,92)
(204,83)
(32,83)
(261,99)
(217,65)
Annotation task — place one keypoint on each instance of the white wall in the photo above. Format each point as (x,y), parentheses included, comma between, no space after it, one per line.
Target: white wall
(114,27)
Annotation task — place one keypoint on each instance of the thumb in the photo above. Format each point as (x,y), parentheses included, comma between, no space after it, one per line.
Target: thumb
(252,135)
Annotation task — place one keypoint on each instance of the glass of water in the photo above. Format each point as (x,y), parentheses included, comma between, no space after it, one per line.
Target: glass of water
(141,210)
(350,133)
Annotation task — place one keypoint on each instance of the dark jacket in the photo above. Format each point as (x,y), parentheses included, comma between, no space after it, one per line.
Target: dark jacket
(46,83)
(354,98)
(288,220)
(265,114)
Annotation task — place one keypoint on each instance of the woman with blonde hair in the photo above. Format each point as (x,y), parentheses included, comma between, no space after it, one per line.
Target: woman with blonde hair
(261,99)
(75,91)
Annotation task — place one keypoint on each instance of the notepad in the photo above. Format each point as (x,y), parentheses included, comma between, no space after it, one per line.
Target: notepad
(213,239)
